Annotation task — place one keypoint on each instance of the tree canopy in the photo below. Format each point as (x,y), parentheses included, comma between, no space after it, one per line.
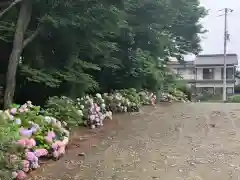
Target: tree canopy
(72,47)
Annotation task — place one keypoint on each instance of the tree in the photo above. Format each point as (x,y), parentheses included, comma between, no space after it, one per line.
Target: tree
(84,46)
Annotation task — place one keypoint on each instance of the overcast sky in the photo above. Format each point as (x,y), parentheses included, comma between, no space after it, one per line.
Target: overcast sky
(212,41)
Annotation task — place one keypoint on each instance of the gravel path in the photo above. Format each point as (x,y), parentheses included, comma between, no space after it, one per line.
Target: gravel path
(195,141)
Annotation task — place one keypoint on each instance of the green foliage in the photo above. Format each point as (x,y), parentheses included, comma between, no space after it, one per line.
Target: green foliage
(234,99)
(208,97)
(132,95)
(84,46)
(178,95)
(8,134)
(185,89)
(64,109)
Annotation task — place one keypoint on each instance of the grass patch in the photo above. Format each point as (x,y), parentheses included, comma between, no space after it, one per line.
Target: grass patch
(234,98)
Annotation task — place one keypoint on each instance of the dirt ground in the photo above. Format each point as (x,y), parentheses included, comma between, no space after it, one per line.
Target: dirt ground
(192,141)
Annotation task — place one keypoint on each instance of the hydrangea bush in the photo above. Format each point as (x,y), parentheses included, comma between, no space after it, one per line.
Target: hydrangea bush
(174,96)
(28,132)
(30,135)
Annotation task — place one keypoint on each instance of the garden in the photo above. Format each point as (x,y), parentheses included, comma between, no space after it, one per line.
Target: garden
(68,64)
(30,133)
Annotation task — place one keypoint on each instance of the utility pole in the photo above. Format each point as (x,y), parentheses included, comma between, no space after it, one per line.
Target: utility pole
(226,38)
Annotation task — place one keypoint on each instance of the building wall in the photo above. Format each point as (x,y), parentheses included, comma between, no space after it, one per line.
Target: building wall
(217,73)
(192,73)
(186,73)
(204,84)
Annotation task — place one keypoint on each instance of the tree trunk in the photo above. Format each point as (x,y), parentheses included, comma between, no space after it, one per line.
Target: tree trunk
(22,24)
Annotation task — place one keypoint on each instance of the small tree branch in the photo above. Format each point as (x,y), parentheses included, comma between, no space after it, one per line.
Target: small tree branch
(14,3)
(31,38)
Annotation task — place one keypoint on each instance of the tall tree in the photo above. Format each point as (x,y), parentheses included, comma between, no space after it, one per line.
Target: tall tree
(84,46)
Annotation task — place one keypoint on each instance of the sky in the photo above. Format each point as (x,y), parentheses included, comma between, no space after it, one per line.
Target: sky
(212,41)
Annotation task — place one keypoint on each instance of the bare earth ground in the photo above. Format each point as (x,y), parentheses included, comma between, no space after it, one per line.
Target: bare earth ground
(192,141)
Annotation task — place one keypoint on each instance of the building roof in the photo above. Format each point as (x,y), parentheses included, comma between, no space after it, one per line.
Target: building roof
(215,55)
(216,59)
(183,63)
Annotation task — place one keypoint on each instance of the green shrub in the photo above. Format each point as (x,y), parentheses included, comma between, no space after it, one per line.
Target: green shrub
(65,109)
(177,95)
(8,134)
(208,97)
(185,89)
(132,95)
(234,99)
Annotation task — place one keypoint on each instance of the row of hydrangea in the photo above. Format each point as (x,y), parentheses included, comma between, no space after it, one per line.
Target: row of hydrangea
(33,132)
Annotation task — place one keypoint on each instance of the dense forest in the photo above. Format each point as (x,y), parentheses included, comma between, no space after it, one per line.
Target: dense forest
(65,47)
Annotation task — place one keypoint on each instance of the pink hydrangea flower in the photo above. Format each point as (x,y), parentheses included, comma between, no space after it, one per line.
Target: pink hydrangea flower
(13,111)
(51,134)
(24,106)
(21,175)
(61,150)
(41,152)
(35,165)
(48,139)
(98,109)
(92,117)
(22,142)
(26,165)
(97,120)
(55,146)
(30,143)
(30,156)
(56,154)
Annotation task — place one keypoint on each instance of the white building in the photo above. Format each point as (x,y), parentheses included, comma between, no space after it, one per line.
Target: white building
(186,70)
(205,73)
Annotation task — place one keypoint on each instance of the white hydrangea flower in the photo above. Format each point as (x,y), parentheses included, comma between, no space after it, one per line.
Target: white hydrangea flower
(80,112)
(47,119)
(29,102)
(103,106)
(99,96)
(90,101)
(53,120)
(82,107)
(11,117)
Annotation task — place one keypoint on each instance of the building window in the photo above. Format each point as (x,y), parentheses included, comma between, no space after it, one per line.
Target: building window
(191,71)
(208,73)
(208,90)
(180,71)
(229,73)
(229,90)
